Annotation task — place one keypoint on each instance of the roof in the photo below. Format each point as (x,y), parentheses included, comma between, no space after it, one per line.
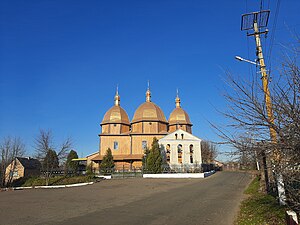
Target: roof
(149,111)
(121,157)
(116,114)
(179,116)
(29,163)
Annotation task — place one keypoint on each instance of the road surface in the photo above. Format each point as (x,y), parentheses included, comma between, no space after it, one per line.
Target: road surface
(213,200)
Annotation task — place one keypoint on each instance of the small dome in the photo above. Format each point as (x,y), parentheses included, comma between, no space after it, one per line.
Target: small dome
(179,116)
(148,111)
(116,114)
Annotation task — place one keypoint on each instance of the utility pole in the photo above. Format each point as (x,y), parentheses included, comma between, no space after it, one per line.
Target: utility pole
(255,21)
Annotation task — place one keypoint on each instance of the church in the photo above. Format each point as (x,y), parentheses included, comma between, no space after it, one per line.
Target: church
(129,139)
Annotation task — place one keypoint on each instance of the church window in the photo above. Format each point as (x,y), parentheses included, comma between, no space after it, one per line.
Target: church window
(181,136)
(179,149)
(150,123)
(144,145)
(176,136)
(191,158)
(191,148)
(191,153)
(115,125)
(116,145)
(168,152)
(168,147)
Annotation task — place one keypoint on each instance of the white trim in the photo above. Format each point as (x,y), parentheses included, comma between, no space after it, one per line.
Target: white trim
(179,175)
(174,175)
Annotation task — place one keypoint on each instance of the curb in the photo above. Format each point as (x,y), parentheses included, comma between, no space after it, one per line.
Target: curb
(180,175)
(48,187)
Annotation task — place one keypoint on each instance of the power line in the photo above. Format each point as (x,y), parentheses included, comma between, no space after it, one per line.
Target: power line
(273,32)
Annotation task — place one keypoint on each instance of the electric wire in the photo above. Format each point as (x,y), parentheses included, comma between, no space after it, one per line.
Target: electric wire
(273,31)
(251,72)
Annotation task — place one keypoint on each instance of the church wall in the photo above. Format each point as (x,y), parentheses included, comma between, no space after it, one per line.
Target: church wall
(189,129)
(105,128)
(125,128)
(186,128)
(115,128)
(108,142)
(172,128)
(150,127)
(137,140)
(137,127)
(162,127)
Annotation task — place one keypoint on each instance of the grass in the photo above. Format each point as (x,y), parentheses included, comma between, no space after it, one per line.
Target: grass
(260,208)
(59,180)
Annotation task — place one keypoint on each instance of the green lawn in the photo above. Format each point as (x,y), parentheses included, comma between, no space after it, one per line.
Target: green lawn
(59,180)
(259,208)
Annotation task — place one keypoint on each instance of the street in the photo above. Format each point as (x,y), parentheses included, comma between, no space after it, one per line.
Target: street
(213,200)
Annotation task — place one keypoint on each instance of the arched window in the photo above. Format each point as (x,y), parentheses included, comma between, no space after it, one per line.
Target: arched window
(116,145)
(191,153)
(176,136)
(181,136)
(191,148)
(144,145)
(168,149)
(179,149)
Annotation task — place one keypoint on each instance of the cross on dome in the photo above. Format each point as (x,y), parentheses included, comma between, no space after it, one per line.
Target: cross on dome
(148,93)
(177,100)
(117,97)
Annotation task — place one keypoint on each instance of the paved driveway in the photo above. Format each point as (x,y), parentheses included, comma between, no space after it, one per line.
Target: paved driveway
(213,200)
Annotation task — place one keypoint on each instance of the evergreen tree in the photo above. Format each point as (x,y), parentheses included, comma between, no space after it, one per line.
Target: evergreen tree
(154,159)
(107,163)
(71,165)
(50,161)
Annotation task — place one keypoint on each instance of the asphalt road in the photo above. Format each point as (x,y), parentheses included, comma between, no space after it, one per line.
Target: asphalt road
(214,200)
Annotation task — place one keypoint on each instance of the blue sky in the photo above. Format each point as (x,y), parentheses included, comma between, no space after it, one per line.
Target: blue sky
(60,61)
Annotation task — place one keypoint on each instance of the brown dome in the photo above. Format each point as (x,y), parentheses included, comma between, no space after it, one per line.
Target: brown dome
(116,114)
(148,111)
(179,116)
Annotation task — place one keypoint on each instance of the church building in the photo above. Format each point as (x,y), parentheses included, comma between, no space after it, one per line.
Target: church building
(129,139)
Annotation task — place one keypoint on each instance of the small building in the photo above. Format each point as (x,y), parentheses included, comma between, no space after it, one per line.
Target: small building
(22,167)
(181,150)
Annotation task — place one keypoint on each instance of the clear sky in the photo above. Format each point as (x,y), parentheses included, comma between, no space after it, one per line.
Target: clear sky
(60,61)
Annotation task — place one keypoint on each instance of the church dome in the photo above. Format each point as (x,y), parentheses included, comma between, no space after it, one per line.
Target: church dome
(178,115)
(116,114)
(148,111)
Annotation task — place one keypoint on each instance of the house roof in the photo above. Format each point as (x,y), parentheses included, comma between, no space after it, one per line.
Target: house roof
(29,163)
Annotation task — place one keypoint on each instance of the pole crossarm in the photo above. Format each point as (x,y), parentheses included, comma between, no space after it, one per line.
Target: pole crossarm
(260,17)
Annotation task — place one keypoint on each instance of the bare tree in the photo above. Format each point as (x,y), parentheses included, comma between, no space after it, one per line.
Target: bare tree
(10,148)
(247,114)
(45,151)
(208,151)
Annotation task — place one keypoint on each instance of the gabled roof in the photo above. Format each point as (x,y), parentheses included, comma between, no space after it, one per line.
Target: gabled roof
(29,163)
(186,136)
